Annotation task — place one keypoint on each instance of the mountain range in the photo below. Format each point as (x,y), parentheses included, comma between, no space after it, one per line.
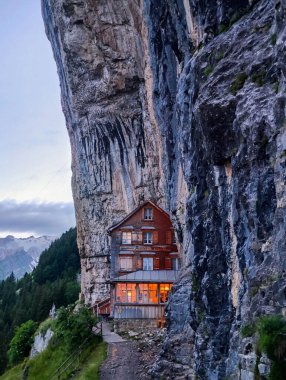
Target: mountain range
(21,255)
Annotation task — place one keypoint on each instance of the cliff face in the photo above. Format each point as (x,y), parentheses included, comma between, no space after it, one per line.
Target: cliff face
(114,139)
(182,102)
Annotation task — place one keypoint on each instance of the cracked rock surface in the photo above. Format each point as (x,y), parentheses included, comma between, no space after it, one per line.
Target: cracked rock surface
(183,102)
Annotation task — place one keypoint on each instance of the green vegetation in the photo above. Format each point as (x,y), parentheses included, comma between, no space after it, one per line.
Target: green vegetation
(206,194)
(272,341)
(259,78)
(219,55)
(223,27)
(238,83)
(195,284)
(92,367)
(208,70)
(15,373)
(273,39)
(31,297)
(275,87)
(248,330)
(73,326)
(21,344)
(271,331)
(74,351)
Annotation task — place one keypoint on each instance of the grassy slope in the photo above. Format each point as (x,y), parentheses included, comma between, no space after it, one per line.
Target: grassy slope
(15,373)
(86,365)
(92,367)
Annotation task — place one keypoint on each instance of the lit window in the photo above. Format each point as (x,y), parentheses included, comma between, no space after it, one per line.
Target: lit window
(148,237)
(164,292)
(147,293)
(126,293)
(175,263)
(147,263)
(126,237)
(126,263)
(148,213)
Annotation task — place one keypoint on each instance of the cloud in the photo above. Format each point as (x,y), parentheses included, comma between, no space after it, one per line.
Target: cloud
(36,218)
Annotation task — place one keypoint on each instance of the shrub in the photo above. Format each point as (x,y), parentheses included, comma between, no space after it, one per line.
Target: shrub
(248,330)
(208,70)
(273,39)
(272,341)
(223,27)
(259,78)
(21,344)
(74,326)
(238,83)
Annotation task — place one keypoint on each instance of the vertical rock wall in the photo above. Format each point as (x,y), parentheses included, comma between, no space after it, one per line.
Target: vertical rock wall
(182,102)
(115,144)
(219,70)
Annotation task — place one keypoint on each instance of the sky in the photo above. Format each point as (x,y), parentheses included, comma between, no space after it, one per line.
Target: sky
(35,175)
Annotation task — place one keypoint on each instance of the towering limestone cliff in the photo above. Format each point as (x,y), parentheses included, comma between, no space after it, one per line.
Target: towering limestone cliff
(182,102)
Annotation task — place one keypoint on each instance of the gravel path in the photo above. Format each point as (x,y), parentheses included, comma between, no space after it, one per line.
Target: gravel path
(122,362)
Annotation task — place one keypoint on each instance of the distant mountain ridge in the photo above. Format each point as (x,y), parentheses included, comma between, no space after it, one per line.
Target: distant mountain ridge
(21,255)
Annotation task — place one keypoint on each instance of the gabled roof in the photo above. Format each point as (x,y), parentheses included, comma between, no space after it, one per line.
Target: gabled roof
(134,212)
(160,276)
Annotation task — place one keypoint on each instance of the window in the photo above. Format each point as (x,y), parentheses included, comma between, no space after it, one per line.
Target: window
(164,292)
(126,237)
(148,213)
(147,293)
(126,293)
(126,263)
(147,263)
(147,237)
(175,263)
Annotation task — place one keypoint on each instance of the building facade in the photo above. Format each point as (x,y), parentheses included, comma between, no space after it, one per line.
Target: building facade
(144,263)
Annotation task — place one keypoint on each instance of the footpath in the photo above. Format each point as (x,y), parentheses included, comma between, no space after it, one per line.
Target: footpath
(123,359)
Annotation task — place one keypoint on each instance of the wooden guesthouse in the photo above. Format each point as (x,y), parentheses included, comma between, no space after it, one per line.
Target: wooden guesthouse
(144,263)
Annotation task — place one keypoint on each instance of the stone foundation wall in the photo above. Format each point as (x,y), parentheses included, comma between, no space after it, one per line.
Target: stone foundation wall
(138,325)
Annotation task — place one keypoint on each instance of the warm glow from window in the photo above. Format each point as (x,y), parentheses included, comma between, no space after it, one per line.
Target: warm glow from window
(126,293)
(148,293)
(142,293)
(126,237)
(164,292)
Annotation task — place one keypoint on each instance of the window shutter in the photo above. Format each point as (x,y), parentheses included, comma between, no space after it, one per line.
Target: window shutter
(169,237)
(155,237)
(118,237)
(134,237)
(139,263)
(140,236)
(156,263)
(133,263)
(168,263)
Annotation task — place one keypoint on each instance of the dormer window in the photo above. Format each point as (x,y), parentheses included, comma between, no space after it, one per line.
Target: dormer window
(148,237)
(148,213)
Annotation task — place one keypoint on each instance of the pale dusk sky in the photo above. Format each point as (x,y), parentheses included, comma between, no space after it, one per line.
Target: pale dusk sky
(35,190)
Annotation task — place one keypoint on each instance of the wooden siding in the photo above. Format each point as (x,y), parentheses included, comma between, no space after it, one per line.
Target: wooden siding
(162,243)
(139,311)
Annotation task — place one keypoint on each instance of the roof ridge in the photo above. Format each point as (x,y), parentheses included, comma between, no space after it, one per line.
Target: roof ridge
(134,211)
